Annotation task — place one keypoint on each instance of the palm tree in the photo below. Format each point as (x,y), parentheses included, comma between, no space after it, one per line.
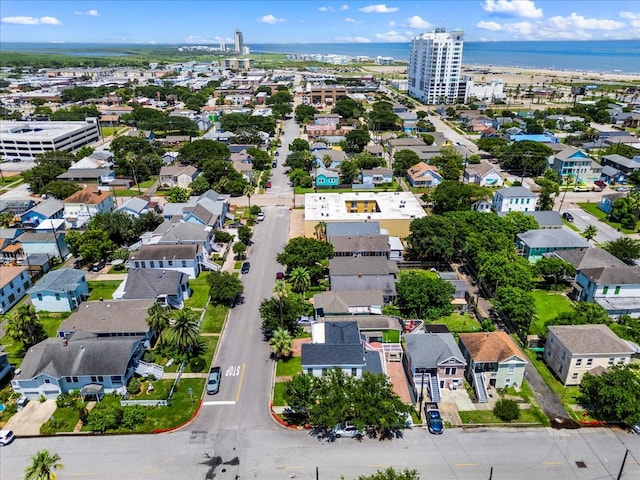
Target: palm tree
(183,331)
(281,290)
(158,317)
(281,343)
(248,190)
(24,326)
(300,280)
(321,230)
(590,232)
(42,465)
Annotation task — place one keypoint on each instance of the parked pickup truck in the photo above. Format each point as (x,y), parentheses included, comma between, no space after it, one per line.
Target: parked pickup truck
(213,381)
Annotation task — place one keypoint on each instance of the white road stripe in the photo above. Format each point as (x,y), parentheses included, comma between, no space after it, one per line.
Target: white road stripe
(221,402)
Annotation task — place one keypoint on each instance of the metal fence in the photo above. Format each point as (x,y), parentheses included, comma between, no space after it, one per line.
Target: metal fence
(144,403)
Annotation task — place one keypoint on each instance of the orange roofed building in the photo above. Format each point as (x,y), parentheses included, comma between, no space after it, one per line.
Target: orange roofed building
(84,204)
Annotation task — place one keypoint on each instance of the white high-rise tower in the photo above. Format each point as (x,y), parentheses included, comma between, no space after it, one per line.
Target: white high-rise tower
(238,43)
(434,66)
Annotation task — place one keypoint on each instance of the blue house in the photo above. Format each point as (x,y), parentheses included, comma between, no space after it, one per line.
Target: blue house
(51,208)
(60,291)
(607,201)
(327,178)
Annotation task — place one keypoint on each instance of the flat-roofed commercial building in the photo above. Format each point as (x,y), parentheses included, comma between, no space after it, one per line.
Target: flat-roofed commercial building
(26,140)
(394,211)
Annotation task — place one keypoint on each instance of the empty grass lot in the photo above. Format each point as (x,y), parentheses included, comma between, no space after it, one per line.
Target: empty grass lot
(278,394)
(102,289)
(460,323)
(214,319)
(548,306)
(199,292)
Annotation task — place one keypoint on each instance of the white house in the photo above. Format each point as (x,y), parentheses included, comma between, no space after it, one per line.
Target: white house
(514,199)
(84,204)
(615,288)
(183,258)
(484,174)
(177,176)
(60,290)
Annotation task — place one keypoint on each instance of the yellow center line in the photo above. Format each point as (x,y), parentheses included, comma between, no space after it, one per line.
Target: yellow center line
(240,385)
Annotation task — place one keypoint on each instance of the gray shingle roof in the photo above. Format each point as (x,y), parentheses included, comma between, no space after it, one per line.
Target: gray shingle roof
(62,280)
(360,243)
(370,322)
(621,160)
(431,349)
(85,173)
(47,208)
(341,333)
(346,229)
(362,266)
(620,275)
(546,218)
(516,192)
(589,258)
(165,252)
(321,354)
(552,238)
(583,339)
(85,354)
(109,316)
(151,283)
(135,204)
(339,302)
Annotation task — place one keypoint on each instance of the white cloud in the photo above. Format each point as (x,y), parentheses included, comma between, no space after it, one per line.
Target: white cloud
(392,36)
(518,29)
(199,39)
(634,17)
(270,19)
(352,40)
(575,21)
(89,13)
(350,20)
(31,20)
(492,26)
(418,22)
(344,7)
(392,24)
(513,8)
(380,8)
(325,9)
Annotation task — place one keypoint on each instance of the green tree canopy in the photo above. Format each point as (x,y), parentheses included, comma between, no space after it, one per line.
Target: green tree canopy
(348,108)
(518,306)
(403,160)
(306,252)
(357,139)
(625,248)
(431,238)
(614,394)
(43,465)
(199,151)
(420,295)
(224,287)
(24,326)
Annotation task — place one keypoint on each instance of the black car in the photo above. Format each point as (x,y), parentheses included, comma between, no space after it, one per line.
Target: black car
(567,216)
(213,381)
(246,266)
(274,164)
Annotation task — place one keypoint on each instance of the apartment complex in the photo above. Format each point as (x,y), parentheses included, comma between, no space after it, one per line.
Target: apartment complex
(434,66)
(238,42)
(26,140)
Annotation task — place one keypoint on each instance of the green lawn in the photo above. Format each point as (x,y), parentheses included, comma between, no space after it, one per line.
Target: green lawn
(288,367)
(102,289)
(460,323)
(210,344)
(147,183)
(531,416)
(548,306)
(63,420)
(214,319)
(51,321)
(278,394)
(199,292)
(593,209)
(127,193)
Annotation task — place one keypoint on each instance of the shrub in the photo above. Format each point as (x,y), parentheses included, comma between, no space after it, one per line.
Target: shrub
(83,413)
(133,417)
(506,410)
(197,364)
(134,386)
(255,209)
(149,356)
(103,419)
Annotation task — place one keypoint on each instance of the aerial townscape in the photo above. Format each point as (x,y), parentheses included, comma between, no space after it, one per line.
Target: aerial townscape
(350,255)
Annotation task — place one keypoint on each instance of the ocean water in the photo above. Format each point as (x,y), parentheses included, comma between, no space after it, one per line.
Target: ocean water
(621,56)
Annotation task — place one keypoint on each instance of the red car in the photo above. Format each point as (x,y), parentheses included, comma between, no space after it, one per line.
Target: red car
(268,185)
(280,276)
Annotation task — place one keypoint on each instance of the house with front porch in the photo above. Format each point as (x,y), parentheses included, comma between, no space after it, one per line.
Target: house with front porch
(166,287)
(433,362)
(45,240)
(493,360)
(423,175)
(177,176)
(623,165)
(376,176)
(83,359)
(80,207)
(606,202)
(614,288)
(60,290)
(514,199)
(326,177)
(574,163)
(183,258)
(533,244)
(50,209)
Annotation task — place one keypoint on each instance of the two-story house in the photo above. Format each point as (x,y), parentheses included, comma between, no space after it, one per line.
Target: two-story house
(573,350)
(51,208)
(615,288)
(60,290)
(14,283)
(177,176)
(183,258)
(167,287)
(80,207)
(574,163)
(376,176)
(533,244)
(484,174)
(423,175)
(514,199)
(364,273)
(325,177)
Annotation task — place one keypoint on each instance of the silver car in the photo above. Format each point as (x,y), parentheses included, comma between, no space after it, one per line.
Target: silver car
(6,437)
(346,430)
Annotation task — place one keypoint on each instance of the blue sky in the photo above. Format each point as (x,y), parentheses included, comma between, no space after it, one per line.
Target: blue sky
(308,21)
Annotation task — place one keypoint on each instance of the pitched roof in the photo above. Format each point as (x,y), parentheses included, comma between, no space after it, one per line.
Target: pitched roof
(165,252)
(84,354)
(9,273)
(346,300)
(93,173)
(362,266)
(370,322)
(151,283)
(490,346)
(590,338)
(62,280)
(516,192)
(618,275)
(189,170)
(135,204)
(109,316)
(177,232)
(341,333)
(421,169)
(550,238)
(585,258)
(346,229)
(431,349)
(360,243)
(90,195)
(480,169)
(47,208)
(341,346)
(546,218)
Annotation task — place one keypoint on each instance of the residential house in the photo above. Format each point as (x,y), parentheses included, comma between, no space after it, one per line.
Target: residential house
(244,168)
(461,293)
(606,202)
(138,206)
(347,302)
(378,333)
(576,164)
(376,151)
(423,175)
(60,291)
(10,247)
(360,246)
(493,360)
(326,178)
(84,204)
(533,244)
(89,170)
(616,288)
(349,229)
(364,273)
(573,350)
(484,174)
(167,287)
(483,206)
(210,209)
(14,283)
(182,233)
(59,365)
(624,166)
(433,362)
(183,258)
(337,345)
(514,199)
(177,176)
(333,157)
(584,258)
(376,176)
(110,318)
(612,175)
(546,218)
(50,209)
(170,157)
(16,206)
(48,238)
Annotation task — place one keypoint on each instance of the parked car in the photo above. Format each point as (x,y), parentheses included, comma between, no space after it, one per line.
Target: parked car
(22,402)
(601,184)
(280,276)
(213,381)
(246,266)
(305,321)
(267,185)
(347,430)
(277,154)
(636,429)
(622,189)
(434,422)
(6,437)
(567,216)
(260,216)
(96,267)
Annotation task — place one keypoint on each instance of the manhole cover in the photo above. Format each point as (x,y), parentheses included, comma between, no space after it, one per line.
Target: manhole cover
(581,464)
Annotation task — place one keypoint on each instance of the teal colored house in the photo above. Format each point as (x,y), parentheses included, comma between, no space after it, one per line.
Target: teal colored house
(533,244)
(327,178)
(60,290)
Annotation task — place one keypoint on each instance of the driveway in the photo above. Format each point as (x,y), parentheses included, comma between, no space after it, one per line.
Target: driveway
(548,401)
(27,421)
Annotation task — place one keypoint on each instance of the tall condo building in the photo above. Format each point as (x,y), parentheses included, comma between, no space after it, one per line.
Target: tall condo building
(434,66)
(237,40)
